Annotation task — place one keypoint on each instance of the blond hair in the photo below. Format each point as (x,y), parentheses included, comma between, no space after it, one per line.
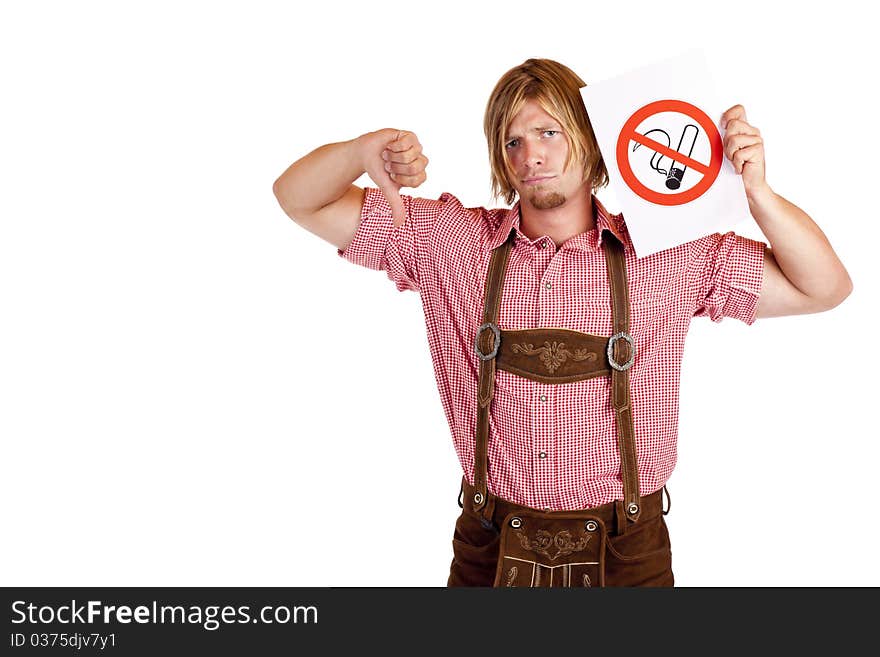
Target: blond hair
(557,89)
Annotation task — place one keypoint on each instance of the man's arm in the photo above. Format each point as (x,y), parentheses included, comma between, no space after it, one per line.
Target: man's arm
(802,274)
(317,192)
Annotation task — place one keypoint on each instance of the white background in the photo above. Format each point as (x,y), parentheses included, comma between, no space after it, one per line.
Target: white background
(197,391)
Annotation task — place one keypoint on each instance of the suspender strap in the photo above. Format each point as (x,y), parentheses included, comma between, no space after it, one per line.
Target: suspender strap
(487,342)
(621,351)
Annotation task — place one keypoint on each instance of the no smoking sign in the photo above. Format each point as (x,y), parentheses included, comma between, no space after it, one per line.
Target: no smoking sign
(668,132)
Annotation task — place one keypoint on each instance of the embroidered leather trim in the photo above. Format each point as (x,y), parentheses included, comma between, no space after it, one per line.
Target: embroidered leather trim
(512,575)
(554,355)
(544,540)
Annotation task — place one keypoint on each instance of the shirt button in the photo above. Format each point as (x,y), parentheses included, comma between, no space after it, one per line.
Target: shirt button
(542,244)
(542,455)
(543,397)
(548,285)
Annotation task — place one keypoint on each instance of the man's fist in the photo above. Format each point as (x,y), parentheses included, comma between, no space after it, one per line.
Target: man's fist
(393,159)
(744,147)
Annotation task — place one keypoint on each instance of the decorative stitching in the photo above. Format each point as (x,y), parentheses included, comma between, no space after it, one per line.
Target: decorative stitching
(554,355)
(560,565)
(511,575)
(587,580)
(544,540)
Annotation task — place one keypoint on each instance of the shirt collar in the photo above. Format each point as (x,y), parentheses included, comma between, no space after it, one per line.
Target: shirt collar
(588,240)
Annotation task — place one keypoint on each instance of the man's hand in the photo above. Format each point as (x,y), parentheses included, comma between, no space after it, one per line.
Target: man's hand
(393,159)
(744,147)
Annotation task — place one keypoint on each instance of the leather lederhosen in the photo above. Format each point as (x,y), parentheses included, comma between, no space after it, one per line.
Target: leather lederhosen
(531,540)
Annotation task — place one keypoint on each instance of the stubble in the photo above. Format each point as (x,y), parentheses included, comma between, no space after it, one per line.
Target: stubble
(546,200)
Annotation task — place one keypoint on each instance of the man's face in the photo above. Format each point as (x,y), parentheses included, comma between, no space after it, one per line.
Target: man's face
(537,148)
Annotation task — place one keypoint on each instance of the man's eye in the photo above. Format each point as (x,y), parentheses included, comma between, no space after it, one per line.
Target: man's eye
(553,131)
(510,143)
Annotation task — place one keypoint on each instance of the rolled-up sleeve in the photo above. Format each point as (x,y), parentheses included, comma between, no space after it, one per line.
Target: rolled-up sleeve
(731,275)
(397,250)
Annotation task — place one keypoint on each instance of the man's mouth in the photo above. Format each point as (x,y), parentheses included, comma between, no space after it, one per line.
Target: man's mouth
(539,179)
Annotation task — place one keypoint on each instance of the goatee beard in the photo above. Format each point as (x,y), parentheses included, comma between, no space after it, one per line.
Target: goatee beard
(546,201)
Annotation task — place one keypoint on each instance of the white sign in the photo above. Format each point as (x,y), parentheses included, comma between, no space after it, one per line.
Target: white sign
(659,132)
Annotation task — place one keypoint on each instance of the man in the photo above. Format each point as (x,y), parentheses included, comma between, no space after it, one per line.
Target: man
(556,351)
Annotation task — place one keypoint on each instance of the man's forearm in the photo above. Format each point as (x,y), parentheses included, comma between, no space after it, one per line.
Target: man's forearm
(320,177)
(801,249)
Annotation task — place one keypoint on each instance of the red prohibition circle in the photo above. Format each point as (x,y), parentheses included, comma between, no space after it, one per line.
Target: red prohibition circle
(629,129)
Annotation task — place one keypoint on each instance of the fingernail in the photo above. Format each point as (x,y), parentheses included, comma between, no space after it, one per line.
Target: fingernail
(384,155)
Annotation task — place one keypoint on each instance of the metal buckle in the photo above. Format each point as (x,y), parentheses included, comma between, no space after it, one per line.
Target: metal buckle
(497,333)
(614,338)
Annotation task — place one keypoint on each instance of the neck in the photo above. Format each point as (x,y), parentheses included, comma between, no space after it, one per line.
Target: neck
(561,223)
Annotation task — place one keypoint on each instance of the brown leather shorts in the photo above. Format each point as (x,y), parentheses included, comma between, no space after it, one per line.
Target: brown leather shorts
(639,556)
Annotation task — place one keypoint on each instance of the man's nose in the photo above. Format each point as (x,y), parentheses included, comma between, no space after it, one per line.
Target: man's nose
(534,155)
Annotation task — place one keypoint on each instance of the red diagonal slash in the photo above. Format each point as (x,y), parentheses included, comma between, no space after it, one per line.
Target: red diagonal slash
(668,152)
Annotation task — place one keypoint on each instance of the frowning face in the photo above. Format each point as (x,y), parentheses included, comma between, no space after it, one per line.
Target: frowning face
(537,147)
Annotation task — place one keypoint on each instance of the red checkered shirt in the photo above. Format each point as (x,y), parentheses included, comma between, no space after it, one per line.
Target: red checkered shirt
(555,446)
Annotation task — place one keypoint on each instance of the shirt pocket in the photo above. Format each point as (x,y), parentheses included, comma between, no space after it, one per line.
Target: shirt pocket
(516,387)
(510,403)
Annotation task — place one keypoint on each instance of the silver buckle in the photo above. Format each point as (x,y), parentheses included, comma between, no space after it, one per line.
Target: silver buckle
(497,333)
(614,338)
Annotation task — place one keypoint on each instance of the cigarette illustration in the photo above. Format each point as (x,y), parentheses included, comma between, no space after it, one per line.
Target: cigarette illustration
(676,170)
